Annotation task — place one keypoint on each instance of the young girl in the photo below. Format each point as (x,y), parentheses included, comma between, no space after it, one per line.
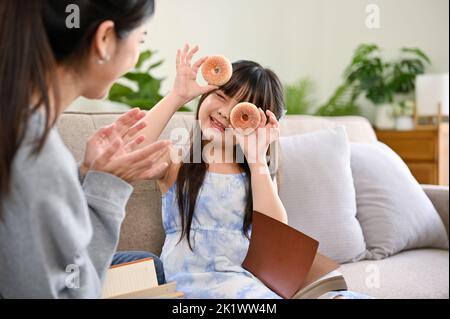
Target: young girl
(207,206)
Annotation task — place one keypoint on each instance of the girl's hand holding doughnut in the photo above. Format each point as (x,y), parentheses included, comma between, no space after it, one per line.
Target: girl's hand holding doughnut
(255,142)
(245,116)
(186,87)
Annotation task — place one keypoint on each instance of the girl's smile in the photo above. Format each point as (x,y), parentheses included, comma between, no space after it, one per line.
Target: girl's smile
(217,124)
(214,114)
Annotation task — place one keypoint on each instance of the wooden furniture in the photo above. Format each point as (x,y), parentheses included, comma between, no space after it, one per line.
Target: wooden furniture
(424,149)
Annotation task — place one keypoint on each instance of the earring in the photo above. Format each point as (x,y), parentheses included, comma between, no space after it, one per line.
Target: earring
(103,60)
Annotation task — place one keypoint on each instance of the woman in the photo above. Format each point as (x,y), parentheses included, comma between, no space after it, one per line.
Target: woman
(57,222)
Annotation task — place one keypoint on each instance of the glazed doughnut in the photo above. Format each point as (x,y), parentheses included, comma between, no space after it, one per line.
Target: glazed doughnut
(217,70)
(245,116)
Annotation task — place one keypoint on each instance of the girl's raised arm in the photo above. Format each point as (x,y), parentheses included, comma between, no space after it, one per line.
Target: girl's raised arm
(264,190)
(185,88)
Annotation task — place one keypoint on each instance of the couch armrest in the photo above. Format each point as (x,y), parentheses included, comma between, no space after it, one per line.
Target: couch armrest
(439,197)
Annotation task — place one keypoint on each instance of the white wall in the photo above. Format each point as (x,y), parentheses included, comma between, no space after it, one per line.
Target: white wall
(297,38)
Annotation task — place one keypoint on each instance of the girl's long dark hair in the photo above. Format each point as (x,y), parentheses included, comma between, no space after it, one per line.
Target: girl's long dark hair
(34,39)
(250,83)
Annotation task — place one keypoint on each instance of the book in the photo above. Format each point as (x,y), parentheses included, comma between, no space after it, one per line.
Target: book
(137,280)
(287,261)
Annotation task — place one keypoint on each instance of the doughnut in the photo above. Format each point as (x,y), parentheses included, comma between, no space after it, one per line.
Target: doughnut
(217,70)
(245,116)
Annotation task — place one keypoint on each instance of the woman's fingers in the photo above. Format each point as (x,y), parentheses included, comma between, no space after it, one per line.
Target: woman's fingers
(154,172)
(133,144)
(127,164)
(105,132)
(148,162)
(106,156)
(145,152)
(153,158)
(126,121)
(126,118)
(134,130)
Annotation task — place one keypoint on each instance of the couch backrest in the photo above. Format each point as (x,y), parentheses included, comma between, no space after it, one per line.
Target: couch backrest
(142,228)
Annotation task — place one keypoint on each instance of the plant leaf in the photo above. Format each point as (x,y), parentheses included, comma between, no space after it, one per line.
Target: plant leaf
(418,52)
(147,94)
(298,97)
(143,103)
(144,56)
(184,108)
(117,90)
(155,65)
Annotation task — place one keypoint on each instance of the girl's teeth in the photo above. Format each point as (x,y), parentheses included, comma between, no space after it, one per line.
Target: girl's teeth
(217,124)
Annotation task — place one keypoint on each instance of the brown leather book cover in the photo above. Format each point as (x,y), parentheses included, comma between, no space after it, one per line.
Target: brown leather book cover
(282,257)
(321,266)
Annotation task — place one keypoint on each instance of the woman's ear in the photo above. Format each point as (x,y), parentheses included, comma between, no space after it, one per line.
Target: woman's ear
(104,42)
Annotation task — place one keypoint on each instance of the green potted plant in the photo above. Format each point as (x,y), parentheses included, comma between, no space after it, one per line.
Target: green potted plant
(384,82)
(341,103)
(298,98)
(378,81)
(144,91)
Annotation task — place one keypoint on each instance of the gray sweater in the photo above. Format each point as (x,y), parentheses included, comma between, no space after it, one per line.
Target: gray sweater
(55,228)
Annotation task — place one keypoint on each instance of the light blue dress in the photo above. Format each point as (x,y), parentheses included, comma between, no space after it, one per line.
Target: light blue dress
(213,269)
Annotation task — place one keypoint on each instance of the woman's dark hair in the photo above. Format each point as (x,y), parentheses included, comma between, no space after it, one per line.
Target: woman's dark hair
(34,39)
(250,82)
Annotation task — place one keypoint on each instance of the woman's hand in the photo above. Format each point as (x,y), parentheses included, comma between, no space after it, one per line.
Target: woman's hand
(119,137)
(142,164)
(122,129)
(255,145)
(186,87)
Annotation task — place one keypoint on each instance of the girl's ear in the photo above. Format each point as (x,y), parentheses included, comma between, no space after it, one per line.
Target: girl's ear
(104,42)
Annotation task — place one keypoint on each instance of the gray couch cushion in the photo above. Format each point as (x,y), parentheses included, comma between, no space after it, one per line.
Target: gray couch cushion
(394,211)
(439,197)
(419,273)
(316,188)
(142,228)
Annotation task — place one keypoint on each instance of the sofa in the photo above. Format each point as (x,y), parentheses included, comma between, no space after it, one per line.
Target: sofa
(418,273)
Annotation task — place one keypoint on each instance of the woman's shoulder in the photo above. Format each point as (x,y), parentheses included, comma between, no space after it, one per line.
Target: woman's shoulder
(53,157)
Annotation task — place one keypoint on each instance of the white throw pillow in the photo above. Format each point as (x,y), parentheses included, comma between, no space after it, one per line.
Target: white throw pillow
(316,188)
(393,210)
